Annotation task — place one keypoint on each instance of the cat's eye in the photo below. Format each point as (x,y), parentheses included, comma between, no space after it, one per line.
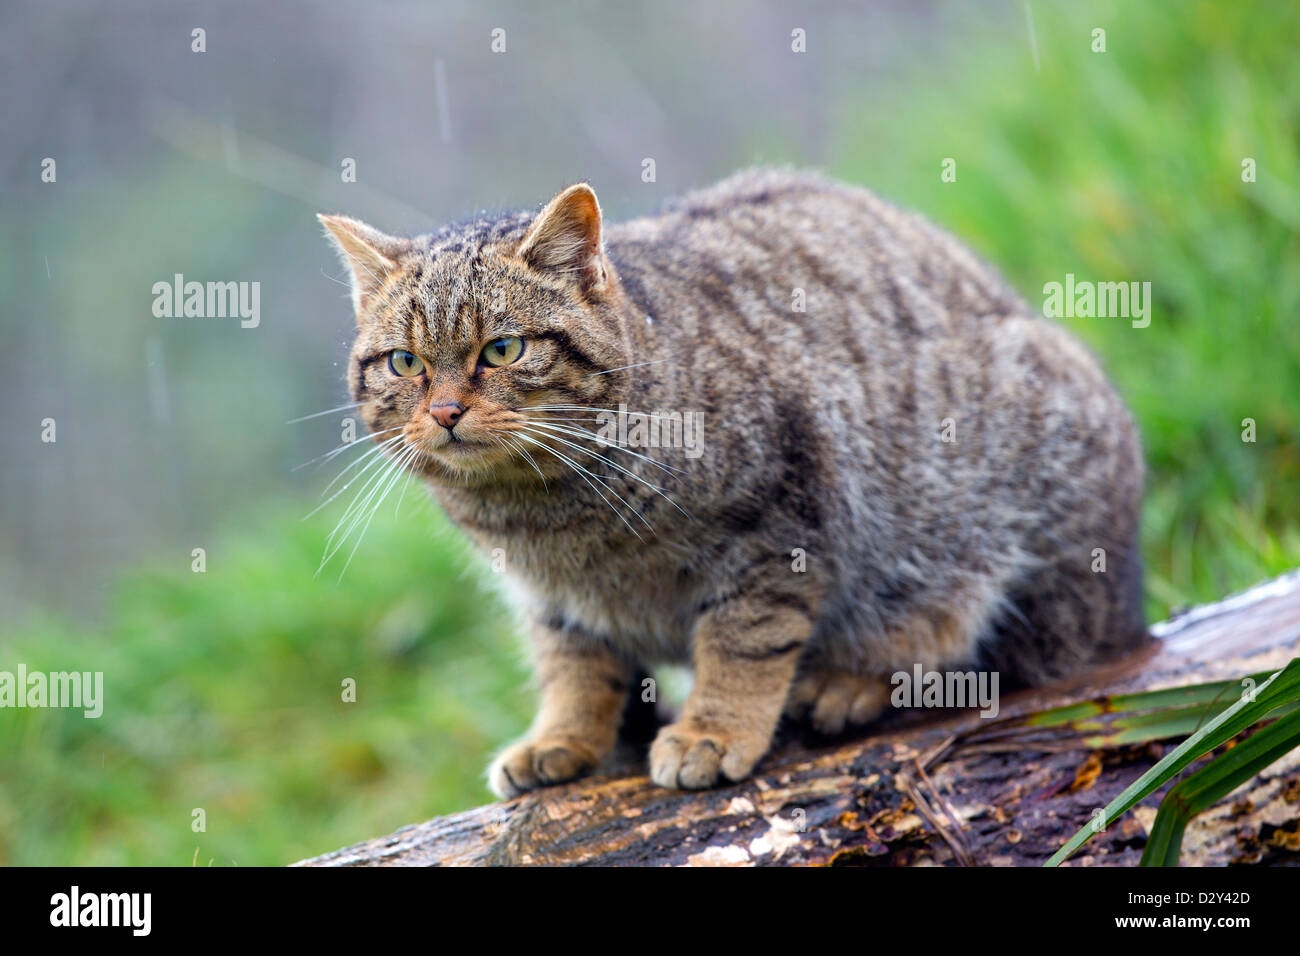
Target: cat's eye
(502,351)
(405,363)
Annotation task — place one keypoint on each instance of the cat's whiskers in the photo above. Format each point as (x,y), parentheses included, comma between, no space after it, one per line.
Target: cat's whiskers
(410,473)
(328,411)
(596,408)
(521,450)
(558,424)
(335,452)
(371,456)
(367,501)
(382,468)
(399,465)
(587,476)
(347,521)
(624,368)
(374,462)
(554,435)
(613,464)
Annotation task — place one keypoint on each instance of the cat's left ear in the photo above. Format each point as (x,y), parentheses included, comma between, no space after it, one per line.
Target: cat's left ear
(565,238)
(370,255)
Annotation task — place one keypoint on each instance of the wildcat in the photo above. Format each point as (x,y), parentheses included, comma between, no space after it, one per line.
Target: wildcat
(899,462)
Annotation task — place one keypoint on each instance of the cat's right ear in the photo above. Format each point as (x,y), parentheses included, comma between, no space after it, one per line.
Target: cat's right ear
(370,256)
(565,238)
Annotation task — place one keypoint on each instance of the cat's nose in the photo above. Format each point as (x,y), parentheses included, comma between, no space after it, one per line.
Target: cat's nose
(447,414)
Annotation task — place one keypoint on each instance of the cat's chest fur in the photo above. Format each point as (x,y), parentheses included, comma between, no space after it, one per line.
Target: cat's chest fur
(564,571)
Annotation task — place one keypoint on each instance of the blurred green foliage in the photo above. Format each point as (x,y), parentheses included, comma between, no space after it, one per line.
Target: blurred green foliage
(223,689)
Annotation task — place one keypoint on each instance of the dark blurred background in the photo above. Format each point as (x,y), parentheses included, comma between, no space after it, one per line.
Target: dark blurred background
(222,687)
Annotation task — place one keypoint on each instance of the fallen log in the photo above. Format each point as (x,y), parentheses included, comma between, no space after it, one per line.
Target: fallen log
(958,790)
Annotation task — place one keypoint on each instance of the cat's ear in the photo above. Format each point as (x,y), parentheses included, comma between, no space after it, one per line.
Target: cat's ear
(370,256)
(565,238)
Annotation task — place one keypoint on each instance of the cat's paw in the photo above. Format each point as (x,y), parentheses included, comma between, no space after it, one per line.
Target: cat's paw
(693,758)
(541,762)
(837,699)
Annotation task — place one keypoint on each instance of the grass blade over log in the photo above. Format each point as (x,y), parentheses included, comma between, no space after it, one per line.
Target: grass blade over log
(1256,704)
(1213,782)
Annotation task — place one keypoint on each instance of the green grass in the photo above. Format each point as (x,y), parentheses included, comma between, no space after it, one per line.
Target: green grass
(223,689)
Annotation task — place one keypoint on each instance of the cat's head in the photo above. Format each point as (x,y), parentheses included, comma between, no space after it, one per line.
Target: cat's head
(471,339)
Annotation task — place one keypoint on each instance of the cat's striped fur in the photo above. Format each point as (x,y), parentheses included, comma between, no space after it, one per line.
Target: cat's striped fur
(913,469)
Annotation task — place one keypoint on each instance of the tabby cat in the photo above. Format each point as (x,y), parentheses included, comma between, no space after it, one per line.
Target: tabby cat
(899,463)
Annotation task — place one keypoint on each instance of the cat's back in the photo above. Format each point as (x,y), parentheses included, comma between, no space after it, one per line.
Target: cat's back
(770,243)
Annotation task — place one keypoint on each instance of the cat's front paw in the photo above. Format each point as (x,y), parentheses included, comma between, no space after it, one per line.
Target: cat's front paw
(693,758)
(532,763)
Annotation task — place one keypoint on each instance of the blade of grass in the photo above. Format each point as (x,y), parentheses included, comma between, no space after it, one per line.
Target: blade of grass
(1283,687)
(1212,783)
(1176,723)
(1074,714)
(1122,720)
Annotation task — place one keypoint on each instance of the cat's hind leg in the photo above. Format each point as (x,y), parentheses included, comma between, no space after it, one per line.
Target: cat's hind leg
(835,699)
(838,688)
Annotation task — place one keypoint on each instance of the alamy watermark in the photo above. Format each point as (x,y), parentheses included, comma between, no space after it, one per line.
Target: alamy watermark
(76,689)
(1101,300)
(661,429)
(922,688)
(208,300)
(132,911)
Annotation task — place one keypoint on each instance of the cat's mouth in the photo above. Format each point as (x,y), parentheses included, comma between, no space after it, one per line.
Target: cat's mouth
(439,441)
(463,453)
(456,444)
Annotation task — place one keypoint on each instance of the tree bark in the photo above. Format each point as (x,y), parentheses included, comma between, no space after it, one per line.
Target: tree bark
(922,789)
